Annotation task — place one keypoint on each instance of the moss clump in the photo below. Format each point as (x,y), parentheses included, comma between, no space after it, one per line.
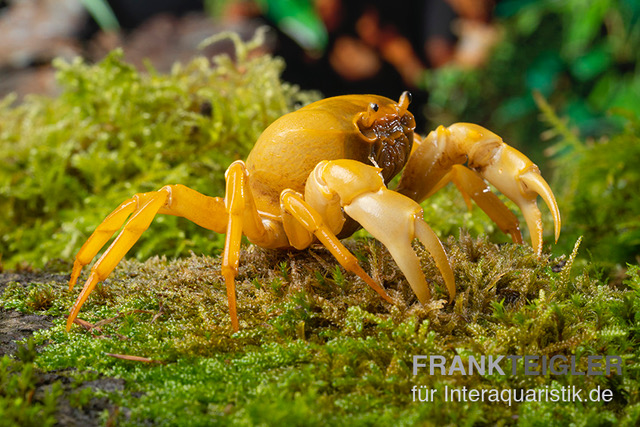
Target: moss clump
(597,189)
(18,380)
(66,162)
(318,347)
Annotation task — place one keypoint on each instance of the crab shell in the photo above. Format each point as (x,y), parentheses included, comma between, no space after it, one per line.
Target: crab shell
(371,129)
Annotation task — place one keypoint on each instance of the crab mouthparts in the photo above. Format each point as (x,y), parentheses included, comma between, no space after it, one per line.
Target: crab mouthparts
(391,154)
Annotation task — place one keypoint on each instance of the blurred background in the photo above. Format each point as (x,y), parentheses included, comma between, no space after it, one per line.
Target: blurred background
(557,79)
(473,60)
(333,46)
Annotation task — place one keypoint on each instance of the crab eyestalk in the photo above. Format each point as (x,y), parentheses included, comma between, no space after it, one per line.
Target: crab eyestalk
(404,101)
(366,119)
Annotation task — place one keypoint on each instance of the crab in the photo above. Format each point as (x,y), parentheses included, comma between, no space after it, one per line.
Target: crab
(320,173)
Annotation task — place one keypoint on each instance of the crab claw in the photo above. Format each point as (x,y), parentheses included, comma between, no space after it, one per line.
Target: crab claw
(533,183)
(392,218)
(517,178)
(512,173)
(396,220)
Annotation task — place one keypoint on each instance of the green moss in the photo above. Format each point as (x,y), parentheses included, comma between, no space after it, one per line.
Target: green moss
(597,189)
(66,162)
(314,353)
(18,380)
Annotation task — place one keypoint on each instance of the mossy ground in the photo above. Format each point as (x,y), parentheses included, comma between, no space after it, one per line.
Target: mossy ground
(318,347)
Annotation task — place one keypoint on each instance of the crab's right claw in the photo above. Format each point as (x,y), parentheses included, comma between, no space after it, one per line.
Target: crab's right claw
(396,220)
(392,218)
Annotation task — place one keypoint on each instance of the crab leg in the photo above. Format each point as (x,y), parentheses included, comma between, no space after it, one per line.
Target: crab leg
(100,236)
(175,200)
(472,186)
(390,217)
(243,218)
(484,152)
(203,210)
(309,219)
(234,203)
(139,222)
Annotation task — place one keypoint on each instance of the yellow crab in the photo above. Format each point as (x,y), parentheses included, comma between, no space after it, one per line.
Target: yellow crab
(320,173)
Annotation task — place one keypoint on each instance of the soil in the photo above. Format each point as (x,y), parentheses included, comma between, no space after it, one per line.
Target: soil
(16,326)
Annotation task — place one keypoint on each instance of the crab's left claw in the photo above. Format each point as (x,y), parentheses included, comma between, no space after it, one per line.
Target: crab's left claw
(467,154)
(531,184)
(511,172)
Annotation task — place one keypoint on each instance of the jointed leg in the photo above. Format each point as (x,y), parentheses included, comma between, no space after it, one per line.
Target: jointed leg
(309,219)
(472,186)
(208,212)
(100,236)
(136,225)
(234,202)
(244,218)
(176,200)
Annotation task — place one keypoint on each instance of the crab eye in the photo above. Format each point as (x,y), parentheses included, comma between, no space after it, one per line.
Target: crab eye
(373,106)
